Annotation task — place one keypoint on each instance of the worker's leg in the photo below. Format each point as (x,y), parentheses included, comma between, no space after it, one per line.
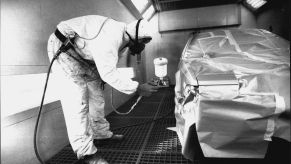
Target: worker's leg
(99,126)
(75,105)
(74,98)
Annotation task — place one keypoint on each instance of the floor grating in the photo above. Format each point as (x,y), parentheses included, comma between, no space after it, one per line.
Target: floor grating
(167,107)
(149,143)
(162,139)
(120,157)
(164,158)
(126,121)
(65,156)
(134,139)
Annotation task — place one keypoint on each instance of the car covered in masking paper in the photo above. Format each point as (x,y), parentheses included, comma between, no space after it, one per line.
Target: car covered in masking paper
(233,89)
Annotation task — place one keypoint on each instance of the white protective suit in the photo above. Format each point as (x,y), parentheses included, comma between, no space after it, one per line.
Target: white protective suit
(99,42)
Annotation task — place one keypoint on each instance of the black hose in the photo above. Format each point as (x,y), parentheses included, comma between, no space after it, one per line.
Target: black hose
(40,109)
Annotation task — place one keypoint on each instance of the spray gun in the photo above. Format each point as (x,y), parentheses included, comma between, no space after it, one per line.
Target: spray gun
(160,78)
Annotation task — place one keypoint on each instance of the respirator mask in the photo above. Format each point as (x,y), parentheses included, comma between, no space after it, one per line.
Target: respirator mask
(136,46)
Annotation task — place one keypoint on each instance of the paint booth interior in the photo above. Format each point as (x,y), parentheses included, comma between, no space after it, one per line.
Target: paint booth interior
(222,67)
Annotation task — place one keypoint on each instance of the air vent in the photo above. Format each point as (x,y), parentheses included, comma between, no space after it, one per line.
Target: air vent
(166,5)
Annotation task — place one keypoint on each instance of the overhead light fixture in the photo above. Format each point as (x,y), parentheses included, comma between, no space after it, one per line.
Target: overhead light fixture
(149,13)
(140,8)
(140,4)
(255,4)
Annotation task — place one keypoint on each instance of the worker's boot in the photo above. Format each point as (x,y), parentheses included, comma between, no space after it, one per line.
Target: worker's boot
(107,141)
(101,132)
(117,137)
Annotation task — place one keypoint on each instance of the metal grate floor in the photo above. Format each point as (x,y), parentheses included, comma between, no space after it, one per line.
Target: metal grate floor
(164,158)
(65,156)
(149,143)
(153,143)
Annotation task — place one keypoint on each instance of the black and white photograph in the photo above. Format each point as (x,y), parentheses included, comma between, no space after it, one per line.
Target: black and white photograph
(145,82)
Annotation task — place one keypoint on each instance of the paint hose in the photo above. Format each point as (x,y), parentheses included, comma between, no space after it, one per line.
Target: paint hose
(40,109)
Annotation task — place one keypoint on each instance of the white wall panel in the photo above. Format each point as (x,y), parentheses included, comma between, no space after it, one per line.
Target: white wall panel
(27,24)
(203,17)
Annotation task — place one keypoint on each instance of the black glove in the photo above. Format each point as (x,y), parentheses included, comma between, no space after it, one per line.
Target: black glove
(146,89)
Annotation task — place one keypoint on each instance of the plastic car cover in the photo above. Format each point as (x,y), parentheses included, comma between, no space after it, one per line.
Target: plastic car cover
(234,87)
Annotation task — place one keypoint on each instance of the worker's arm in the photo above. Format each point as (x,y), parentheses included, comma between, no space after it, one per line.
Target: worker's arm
(146,89)
(105,54)
(106,58)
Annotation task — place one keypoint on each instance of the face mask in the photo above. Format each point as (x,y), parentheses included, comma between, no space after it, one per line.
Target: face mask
(136,46)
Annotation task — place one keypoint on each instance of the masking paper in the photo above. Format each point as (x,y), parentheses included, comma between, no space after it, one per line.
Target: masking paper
(234,87)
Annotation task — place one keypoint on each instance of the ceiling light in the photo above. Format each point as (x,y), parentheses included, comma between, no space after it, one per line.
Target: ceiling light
(140,4)
(149,13)
(256,3)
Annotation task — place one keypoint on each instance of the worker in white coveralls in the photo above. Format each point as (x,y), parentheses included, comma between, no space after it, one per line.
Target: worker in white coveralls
(82,69)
